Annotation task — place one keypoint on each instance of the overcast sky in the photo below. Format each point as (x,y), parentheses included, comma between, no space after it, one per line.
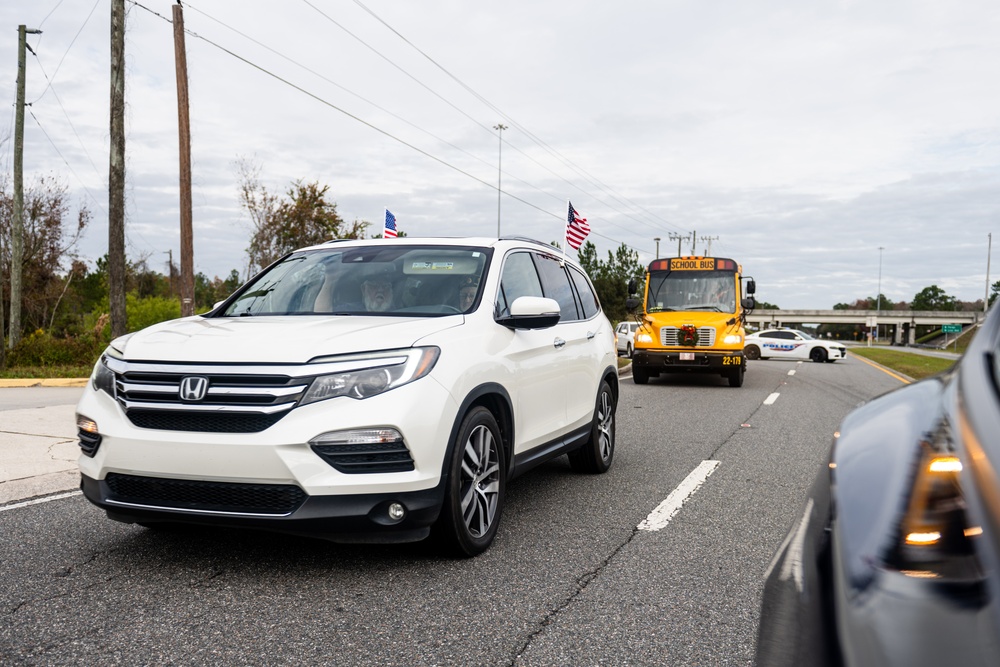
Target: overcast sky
(798,138)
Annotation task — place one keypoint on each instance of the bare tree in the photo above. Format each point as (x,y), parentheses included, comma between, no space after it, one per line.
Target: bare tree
(279,226)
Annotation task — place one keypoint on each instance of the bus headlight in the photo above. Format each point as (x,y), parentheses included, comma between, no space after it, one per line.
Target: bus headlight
(644,338)
(733,339)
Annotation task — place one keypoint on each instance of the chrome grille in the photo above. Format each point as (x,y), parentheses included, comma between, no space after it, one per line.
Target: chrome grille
(238,399)
(671,336)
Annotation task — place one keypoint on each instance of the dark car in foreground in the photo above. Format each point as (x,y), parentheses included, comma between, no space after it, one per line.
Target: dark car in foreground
(894,557)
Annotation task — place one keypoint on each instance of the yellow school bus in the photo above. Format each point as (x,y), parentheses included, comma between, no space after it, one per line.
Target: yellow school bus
(692,319)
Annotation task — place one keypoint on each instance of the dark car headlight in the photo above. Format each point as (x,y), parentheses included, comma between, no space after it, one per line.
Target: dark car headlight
(103,378)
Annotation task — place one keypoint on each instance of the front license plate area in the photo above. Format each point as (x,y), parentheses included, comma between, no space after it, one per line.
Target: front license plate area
(687,356)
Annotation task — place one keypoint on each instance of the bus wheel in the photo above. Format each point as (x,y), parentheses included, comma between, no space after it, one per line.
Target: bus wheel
(639,375)
(736,377)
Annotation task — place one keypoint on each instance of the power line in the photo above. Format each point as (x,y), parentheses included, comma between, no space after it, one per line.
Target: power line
(579,171)
(357,118)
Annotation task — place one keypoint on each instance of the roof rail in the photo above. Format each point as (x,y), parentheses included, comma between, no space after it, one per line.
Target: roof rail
(527,239)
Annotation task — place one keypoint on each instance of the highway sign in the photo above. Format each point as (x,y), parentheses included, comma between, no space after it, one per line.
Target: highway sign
(951,328)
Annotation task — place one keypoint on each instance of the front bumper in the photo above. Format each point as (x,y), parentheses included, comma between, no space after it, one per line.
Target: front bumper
(691,360)
(149,475)
(349,518)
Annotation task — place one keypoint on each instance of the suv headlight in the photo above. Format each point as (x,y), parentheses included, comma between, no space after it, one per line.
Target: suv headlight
(103,378)
(370,375)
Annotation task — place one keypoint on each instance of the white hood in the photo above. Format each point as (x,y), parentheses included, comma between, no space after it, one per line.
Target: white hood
(279,339)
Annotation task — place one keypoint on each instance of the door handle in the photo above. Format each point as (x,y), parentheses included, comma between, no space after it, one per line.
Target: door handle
(558,342)
(591,334)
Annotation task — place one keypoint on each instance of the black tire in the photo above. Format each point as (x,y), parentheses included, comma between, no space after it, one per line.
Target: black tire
(818,355)
(628,350)
(736,377)
(477,479)
(639,375)
(751,352)
(596,455)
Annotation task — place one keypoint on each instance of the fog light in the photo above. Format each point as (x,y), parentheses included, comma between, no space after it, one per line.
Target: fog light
(86,424)
(396,512)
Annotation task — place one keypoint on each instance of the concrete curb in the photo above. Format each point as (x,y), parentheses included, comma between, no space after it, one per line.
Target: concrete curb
(50,382)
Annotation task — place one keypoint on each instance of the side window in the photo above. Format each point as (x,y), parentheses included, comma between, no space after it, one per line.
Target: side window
(786,335)
(519,278)
(555,284)
(771,334)
(591,304)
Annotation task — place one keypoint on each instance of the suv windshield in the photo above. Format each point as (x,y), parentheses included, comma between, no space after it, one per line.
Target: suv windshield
(367,280)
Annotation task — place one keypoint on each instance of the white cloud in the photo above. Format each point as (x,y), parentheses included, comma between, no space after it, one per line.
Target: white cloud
(804,136)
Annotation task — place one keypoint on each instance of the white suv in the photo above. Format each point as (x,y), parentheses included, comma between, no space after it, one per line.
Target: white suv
(358,391)
(625,338)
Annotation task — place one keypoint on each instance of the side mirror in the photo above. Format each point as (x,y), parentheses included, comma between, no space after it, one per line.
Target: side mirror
(532,312)
(751,286)
(748,303)
(632,286)
(632,303)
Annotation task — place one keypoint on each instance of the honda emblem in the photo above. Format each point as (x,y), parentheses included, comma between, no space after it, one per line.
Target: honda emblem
(193,388)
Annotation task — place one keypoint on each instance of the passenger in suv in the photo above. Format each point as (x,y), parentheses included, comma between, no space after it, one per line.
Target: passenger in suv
(293,406)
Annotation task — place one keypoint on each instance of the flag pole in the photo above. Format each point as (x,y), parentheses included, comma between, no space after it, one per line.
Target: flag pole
(566,231)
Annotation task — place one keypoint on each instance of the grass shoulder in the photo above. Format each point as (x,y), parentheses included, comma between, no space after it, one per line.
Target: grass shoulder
(916,366)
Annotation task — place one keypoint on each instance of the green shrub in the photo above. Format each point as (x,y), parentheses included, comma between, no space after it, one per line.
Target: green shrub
(42,349)
(149,310)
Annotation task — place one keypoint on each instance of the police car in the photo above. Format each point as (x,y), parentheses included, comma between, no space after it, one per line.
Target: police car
(791,344)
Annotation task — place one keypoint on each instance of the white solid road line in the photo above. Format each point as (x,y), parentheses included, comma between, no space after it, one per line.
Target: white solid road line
(666,510)
(771,399)
(37,501)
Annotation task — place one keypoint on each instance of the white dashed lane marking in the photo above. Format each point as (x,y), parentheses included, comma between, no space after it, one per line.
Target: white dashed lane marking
(666,510)
(771,399)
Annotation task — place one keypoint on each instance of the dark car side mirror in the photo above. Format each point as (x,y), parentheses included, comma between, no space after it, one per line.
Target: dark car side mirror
(751,286)
(632,286)
(748,303)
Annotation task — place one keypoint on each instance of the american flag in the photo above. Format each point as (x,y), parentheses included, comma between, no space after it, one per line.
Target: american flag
(576,227)
(390,226)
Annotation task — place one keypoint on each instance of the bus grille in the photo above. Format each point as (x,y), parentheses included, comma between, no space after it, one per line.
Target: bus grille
(671,336)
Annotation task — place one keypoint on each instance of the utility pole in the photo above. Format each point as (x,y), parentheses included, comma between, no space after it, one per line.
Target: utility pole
(678,238)
(17,227)
(184,138)
(657,239)
(708,251)
(986,299)
(694,242)
(116,175)
(499,127)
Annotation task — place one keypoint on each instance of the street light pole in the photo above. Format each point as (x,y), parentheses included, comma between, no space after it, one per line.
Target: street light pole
(878,299)
(657,239)
(499,127)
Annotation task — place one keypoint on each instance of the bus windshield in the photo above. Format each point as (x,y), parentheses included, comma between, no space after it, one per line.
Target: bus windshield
(691,290)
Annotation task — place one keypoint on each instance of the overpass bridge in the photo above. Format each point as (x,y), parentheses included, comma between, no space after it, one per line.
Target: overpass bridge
(903,322)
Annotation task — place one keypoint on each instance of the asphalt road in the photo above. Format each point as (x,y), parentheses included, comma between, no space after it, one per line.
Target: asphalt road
(570,580)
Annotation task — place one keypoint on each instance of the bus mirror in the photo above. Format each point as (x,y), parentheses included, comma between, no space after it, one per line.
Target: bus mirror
(632,287)
(748,303)
(632,303)
(751,286)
